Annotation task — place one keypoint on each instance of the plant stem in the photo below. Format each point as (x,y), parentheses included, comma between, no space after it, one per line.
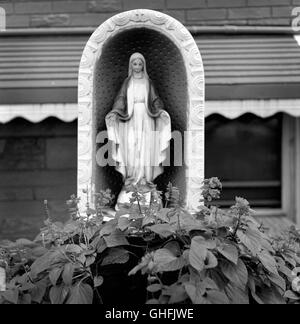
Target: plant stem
(238,225)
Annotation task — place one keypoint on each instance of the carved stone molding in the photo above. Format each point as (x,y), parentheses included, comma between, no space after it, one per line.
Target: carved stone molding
(185,43)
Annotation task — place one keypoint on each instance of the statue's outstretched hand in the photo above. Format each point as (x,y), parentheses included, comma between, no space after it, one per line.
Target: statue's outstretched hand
(111,118)
(165,117)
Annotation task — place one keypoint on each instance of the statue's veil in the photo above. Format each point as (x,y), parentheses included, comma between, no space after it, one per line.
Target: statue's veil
(134,57)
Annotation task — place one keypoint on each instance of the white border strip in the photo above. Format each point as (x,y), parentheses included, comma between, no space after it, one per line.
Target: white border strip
(37,112)
(262,108)
(230,109)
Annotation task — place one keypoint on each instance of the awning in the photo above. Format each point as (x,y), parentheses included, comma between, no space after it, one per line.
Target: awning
(38,70)
(230,109)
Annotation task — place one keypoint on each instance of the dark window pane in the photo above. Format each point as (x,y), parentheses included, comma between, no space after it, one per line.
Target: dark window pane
(245,154)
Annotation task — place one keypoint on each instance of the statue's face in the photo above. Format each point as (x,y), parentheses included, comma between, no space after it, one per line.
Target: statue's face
(137,65)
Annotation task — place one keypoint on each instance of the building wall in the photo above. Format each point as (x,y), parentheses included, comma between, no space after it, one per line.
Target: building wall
(37,162)
(83,13)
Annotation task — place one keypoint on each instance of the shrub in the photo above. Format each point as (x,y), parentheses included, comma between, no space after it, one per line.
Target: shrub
(212,257)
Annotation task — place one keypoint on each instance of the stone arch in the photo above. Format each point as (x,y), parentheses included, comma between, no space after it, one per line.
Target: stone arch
(150,22)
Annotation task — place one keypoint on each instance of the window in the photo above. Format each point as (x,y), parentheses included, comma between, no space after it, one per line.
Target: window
(245,154)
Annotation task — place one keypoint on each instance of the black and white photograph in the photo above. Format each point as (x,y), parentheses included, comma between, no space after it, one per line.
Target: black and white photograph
(150,154)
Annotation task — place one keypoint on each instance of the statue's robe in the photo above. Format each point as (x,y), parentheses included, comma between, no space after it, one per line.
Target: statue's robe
(154,148)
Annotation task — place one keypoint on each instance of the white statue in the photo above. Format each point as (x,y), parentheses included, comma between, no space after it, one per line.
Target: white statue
(139,127)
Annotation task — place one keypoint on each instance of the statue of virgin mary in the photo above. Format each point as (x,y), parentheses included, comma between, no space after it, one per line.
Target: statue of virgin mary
(138,127)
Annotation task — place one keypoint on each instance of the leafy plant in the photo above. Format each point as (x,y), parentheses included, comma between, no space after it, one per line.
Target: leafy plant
(212,257)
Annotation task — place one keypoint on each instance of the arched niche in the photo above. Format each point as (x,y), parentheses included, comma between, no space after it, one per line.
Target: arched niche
(174,64)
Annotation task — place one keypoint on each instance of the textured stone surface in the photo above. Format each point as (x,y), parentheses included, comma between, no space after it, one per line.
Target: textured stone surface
(66,13)
(282,11)
(143,4)
(38,178)
(22,154)
(16,21)
(8,7)
(257,3)
(61,153)
(15,193)
(24,219)
(62,192)
(240,13)
(105,5)
(206,14)
(37,162)
(179,4)
(50,20)
(227,3)
(32,7)
(90,19)
(69,6)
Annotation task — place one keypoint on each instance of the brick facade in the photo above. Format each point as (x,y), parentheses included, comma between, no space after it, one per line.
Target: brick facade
(37,162)
(91,13)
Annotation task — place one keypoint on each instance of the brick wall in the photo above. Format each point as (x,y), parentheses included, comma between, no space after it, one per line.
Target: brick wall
(78,13)
(37,162)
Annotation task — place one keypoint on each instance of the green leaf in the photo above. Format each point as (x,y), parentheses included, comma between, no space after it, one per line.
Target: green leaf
(98,281)
(236,295)
(39,291)
(152,302)
(68,273)
(90,260)
(163,230)
(229,251)
(209,244)
(81,294)
(46,261)
(58,294)
(278,281)
(115,239)
(123,223)
(211,261)
(12,296)
(116,256)
(237,274)
(109,227)
(148,220)
(165,261)
(271,296)
(268,262)
(174,248)
(209,284)
(194,294)
(217,297)
(72,248)
(38,251)
(154,288)
(177,293)
(25,299)
(25,242)
(198,253)
(251,240)
(163,215)
(188,222)
(99,244)
(55,274)
(291,295)
(283,269)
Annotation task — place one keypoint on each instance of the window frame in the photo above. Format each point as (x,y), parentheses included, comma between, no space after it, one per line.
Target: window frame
(290,173)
